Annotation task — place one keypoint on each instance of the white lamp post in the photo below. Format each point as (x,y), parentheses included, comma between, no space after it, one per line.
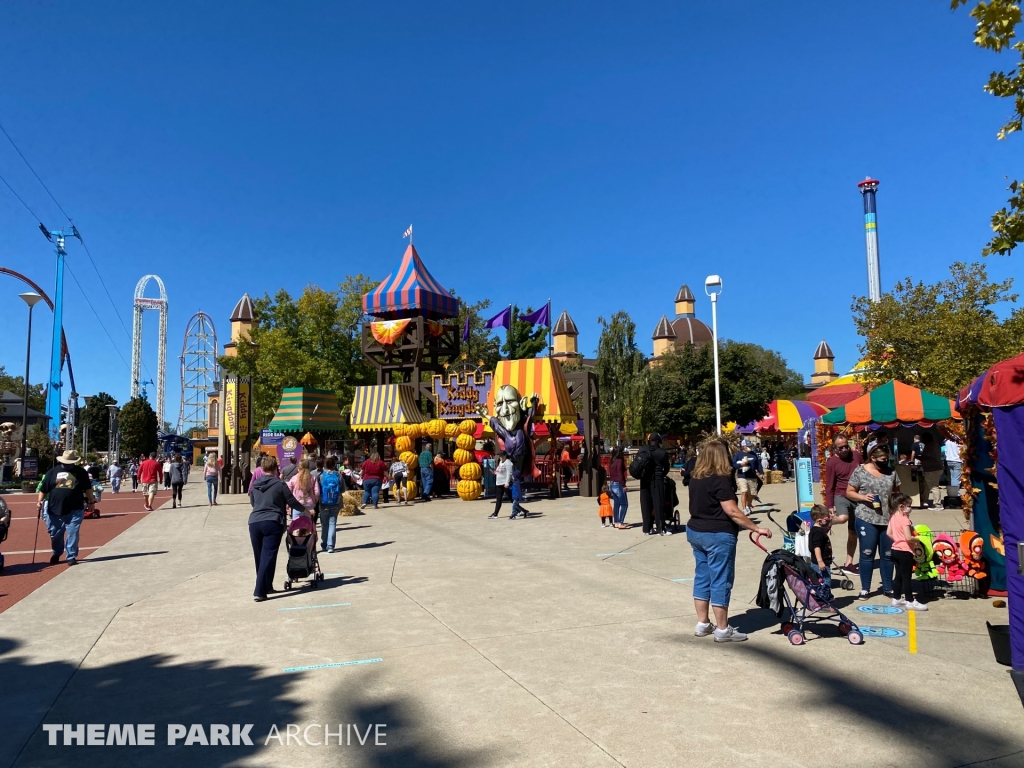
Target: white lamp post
(713,287)
(32,298)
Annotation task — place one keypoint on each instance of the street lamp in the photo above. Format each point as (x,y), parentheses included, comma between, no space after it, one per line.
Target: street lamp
(713,287)
(85,425)
(113,448)
(31,298)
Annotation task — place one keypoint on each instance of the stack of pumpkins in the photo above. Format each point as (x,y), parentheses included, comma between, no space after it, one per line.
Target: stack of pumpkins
(470,472)
(405,438)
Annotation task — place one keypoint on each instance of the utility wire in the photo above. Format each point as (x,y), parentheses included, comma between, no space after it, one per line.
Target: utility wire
(7,184)
(87,301)
(33,171)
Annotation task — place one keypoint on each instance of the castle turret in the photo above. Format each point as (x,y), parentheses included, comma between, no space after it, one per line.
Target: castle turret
(664,337)
(242,320)
(824,365)
(564,336)
(685,302)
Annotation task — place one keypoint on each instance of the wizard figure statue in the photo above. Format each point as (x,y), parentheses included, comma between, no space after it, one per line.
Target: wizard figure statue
(511,423)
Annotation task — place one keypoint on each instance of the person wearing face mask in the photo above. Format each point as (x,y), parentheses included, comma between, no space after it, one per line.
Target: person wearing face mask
(838,471)
(870,487)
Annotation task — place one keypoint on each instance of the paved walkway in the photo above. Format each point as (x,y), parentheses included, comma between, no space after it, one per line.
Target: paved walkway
(544,642)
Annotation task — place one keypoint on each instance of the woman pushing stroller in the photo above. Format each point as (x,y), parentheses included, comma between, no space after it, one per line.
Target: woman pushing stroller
(270,499)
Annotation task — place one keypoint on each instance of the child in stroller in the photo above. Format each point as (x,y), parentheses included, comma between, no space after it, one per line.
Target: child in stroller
(302,559)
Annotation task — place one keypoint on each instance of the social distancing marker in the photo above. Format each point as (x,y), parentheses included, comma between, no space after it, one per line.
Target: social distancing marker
(613,554)
(334,664)
(879,609)
(690,579)
(912,630)
(310,607)
(886,632)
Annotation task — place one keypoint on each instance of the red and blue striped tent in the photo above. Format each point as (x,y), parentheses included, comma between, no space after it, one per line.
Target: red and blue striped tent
(410,291)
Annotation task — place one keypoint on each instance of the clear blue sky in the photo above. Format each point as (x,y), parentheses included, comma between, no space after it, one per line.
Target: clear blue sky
(598,154)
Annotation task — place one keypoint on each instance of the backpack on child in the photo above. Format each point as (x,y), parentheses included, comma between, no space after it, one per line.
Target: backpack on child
(330,488)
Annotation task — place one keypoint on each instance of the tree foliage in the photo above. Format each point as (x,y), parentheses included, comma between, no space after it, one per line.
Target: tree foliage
(138,424)
(315,341)
(997,22)
(524,340)
(16,384)
(939,336)
(680,395)
(40,445)
(96,415)
(482,345)
(621,376)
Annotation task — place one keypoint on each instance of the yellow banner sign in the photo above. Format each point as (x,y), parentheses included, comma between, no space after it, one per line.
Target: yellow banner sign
(236,407)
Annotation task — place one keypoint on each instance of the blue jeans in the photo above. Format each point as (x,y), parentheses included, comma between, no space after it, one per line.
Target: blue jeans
(115,484)
(211,489)
(826,578)
(872,538)
(516,491)
(371,489)
(427,479)
(328,525)
(715,555)
(955,469)
(56,525)
(619,502)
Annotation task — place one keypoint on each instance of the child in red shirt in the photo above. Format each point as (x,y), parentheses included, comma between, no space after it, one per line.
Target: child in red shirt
(901,532)
(604,505)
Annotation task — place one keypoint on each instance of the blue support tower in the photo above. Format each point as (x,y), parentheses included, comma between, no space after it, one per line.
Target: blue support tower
(53,392)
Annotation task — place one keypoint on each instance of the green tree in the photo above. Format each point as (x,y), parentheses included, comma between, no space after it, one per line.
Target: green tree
(524,340)
(40,445)
(315,341)
(939,336)
(138,424)
(96,415)
(997,22)
(483,345)
(621,375)
(680,396)
(16,384)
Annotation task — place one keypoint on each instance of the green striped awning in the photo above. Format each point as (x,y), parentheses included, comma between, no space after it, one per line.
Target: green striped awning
(308,410)
(383,406)
(894,403)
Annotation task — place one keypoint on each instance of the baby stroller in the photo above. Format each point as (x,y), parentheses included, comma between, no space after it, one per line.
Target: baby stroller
(671,513)
(810,596)
(97,494)
(795,539)
(302,559)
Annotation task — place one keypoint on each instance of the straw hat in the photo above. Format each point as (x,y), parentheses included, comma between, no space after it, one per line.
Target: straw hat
(69,457)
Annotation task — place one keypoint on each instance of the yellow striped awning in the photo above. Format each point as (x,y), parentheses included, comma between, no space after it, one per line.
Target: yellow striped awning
(541,375)
(383,406)
(307,410)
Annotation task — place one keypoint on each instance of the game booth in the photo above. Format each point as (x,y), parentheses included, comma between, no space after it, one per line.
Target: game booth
(788,420)
(304,419)
(993,411)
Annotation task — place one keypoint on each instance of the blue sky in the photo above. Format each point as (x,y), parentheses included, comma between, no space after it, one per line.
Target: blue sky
(598,154)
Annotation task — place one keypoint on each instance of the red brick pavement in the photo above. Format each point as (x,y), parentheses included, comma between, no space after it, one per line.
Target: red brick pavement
(21,576)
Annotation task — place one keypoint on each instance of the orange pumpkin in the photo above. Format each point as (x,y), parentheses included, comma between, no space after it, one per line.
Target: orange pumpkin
(467,426)
(469,490)
(403,444)
(414,431)
(451,429)
(436,428)
(401,430)
(466,442)
(409,458)
(471,471)
(412,489)
(463,457)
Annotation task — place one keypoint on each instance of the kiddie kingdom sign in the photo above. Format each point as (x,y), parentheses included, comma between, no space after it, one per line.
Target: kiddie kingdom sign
(461,395)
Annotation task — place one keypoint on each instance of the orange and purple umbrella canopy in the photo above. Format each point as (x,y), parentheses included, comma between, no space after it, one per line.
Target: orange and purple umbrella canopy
(785,416)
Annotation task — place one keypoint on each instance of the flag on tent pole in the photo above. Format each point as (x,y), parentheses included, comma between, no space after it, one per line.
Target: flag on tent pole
(541,317)
(465,328)
(501,320)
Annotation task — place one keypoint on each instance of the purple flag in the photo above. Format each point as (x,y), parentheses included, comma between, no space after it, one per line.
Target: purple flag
(465,329)
(501,320)
(541,317)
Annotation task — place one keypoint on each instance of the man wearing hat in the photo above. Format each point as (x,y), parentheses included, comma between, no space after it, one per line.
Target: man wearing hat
(747,465)
(67,488)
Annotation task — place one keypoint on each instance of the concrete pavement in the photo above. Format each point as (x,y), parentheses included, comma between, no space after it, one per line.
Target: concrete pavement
(547,641)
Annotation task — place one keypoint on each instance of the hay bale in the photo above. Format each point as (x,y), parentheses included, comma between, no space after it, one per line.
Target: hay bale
(773,476)
(350,502)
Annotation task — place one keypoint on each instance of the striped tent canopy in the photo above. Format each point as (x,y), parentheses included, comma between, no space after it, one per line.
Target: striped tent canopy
(308,410)
(410,291)
(842,390)
(541,375)
(894,403)
(785,416)
(383,406)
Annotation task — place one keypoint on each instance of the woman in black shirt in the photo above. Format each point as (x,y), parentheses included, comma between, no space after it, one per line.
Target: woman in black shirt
(715,521)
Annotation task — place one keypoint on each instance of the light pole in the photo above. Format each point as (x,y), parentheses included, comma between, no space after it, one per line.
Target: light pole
(713,287)
(85,426)
(31,298)
(113,449)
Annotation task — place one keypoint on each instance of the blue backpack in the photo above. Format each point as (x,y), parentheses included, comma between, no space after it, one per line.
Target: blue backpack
(330,488)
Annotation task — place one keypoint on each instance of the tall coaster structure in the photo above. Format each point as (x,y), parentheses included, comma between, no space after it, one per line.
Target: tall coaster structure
(141,305)
(199,372)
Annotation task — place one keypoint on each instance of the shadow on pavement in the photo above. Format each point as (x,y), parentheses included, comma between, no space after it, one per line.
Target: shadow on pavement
(121,557)
(151,689)
(370,545)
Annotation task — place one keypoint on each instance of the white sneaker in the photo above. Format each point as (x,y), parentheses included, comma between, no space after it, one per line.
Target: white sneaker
(896,603)
(863,594)
(666,532)
(729,635)
(748,511)
(915,606)
(703,630)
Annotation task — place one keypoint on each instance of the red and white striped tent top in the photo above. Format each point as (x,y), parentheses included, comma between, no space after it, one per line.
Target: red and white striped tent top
(410,291)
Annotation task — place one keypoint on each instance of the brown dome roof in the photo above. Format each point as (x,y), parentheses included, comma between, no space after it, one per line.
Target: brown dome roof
(824,352)
(244,311)
(690,329)
(664,330)
(564,326)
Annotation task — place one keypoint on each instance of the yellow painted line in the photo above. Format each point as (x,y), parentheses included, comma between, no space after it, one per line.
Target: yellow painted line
(912,630)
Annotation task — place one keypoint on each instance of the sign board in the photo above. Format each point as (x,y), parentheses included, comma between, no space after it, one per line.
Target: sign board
(804,485)
(30,468)
(269,437)
(237,394)
(460,396)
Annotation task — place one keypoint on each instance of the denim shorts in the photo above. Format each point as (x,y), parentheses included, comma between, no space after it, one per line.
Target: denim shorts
(715,556)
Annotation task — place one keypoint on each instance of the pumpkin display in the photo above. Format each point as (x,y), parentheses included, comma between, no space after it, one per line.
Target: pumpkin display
(467,426)
(466,442)
(471,471)
(463,456)
(451,430)
(401,430)
(436,428)
(408,457)
(414,431)
(403,444)
(412,489)
(469,490)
